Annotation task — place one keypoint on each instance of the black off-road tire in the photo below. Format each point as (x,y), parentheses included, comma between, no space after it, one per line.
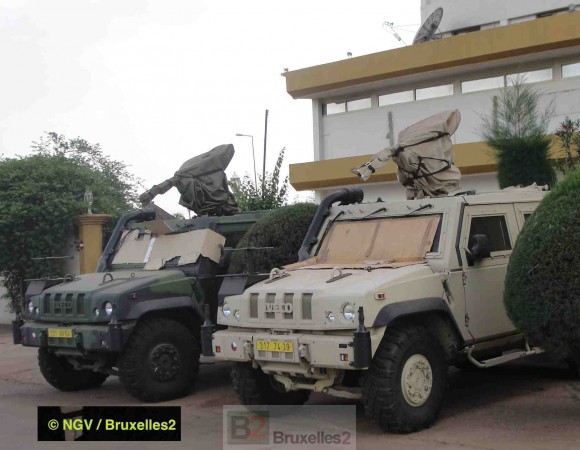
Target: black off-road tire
(254,387)
(160,361)
(59,373)
(383,396)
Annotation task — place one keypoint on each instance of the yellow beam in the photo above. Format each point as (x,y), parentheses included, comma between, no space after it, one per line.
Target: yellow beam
(548,33)
(471,158)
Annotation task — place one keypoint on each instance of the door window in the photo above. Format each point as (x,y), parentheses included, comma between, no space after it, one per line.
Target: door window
(496,230)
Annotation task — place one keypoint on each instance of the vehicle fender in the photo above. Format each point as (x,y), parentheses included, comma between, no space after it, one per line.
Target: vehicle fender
(141,308)
(389,313)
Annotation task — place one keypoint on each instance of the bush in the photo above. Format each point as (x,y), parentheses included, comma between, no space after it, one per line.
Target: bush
(518,132)
(284,229)
(524,161)
(542,292)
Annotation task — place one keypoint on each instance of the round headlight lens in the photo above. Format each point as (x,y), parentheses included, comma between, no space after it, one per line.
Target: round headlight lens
(226,311)
(109,308)
(237,314)
(30,307)
(348,311)
(330,316)
(96,312)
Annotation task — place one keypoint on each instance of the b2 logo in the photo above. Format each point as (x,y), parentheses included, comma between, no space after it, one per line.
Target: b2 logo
(248,427)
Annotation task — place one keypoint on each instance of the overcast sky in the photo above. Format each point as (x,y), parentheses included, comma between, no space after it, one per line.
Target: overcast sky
(157,82)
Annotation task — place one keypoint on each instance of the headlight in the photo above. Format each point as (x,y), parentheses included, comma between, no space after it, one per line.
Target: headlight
(108,308)
(30,307)
(226,311)
(330,316)
(237,314)
(348,311)
(96,312)
(36,310)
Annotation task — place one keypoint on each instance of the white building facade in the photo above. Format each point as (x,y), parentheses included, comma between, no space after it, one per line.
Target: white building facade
(361,104)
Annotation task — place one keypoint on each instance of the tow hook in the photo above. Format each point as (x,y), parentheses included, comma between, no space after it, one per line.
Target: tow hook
(361,343)
(207,330)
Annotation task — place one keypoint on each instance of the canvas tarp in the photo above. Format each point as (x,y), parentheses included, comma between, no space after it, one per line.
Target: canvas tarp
(388,242)
(202,183)
(424,157)
(154,251)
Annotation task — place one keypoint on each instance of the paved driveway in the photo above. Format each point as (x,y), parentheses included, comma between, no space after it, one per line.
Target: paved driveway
(528,405)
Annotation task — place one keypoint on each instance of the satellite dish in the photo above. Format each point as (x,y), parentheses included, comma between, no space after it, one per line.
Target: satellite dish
(429,27)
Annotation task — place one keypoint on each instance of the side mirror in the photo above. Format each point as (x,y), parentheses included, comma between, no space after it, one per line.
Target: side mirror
(478,248)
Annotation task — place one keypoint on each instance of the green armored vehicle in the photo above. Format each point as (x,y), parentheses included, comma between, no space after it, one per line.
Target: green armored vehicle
(139,316)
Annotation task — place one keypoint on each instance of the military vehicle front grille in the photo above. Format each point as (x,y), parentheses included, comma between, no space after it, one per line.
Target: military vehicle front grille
(270,298)
(57,307)
(64,305)
(46,304)
(81,304)
(254,306)
(300,306)
(306,306)
(289,299)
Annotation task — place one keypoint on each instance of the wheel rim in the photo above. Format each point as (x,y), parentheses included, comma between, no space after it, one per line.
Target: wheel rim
(417,380)
(165,362)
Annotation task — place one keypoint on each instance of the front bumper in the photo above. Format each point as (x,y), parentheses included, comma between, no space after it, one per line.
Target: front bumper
(108,337)
(310,350)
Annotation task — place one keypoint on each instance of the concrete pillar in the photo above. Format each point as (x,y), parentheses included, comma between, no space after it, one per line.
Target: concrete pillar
(91,235)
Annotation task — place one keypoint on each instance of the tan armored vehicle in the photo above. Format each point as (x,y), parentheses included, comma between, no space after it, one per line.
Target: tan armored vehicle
(386,295)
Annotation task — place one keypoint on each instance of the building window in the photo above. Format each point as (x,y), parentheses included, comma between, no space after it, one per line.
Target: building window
(533,76)
(482,84)
(333,108)
(570,70)
(355,105)
(396,97)
(434,91)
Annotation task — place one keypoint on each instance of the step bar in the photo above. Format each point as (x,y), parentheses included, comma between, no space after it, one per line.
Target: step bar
(504,358)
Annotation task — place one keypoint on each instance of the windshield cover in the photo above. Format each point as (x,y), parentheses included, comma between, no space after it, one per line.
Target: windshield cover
(383,242)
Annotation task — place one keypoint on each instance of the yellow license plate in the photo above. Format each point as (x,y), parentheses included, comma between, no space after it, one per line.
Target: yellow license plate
(275,346)
(60,333)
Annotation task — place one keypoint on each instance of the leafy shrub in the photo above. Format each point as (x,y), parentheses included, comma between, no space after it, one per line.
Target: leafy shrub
(284,229)
(542,292)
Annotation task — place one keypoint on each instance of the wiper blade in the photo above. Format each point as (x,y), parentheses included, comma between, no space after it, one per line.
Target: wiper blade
(383,209)
(420,208)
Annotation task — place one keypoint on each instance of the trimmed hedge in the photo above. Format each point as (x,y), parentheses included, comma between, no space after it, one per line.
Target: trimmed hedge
(284,229)
(542,286)
(524,161)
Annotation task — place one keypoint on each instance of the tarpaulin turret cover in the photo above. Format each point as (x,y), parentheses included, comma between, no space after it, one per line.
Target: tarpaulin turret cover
(424,157)
(202,183)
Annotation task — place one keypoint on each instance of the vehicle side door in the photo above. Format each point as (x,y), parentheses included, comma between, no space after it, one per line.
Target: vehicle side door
(484,274)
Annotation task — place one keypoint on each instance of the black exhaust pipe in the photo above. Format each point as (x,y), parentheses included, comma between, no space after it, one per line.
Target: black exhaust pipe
(345,196)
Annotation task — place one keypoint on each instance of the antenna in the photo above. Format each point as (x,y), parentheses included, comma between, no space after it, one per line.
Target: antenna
(390,26)
(429,27)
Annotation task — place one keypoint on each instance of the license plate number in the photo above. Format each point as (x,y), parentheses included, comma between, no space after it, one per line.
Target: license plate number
(274,346)
(60,333)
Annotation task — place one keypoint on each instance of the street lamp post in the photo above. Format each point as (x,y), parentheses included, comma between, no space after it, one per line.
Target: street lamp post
(253,155)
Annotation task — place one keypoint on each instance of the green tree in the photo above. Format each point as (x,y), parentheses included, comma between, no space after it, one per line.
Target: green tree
(284,229)
(542,286)
(569,135)
(42,193)
(517,131)
(271,192)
